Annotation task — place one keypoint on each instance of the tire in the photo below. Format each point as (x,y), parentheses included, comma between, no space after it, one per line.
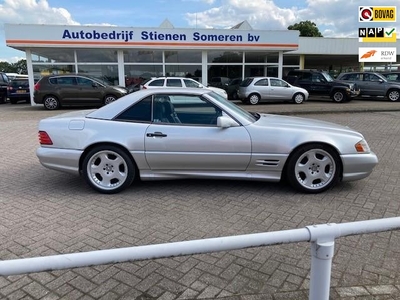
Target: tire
(3,99)
(235,96)
(51,102)
(13,101)
(393,95)
(298,98)
(108,169)
(339,96)
(254,99)
(313,168)
(108,99)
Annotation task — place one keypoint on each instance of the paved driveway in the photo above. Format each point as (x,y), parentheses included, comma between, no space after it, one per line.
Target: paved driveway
(45,212)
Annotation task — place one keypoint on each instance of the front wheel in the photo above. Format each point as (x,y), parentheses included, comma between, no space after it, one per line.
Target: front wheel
(298,98)
(109,98)
(108,169)
(393,95)
(313,168)
(339,96)
(254,99)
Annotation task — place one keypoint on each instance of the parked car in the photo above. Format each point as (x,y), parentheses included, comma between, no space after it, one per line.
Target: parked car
(156,134)
(3,87)
(218,81)
(174,82)
(321,84)
(373,85)
(232,88)
(254,90)
(54,91)
(392,76)
(18,90)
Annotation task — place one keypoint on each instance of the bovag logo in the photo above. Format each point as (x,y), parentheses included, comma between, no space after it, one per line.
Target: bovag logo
(377,13)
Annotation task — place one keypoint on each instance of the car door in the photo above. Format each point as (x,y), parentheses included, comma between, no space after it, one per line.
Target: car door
(262,86)
(66,87)
(279,89)
(184,137)
(90,92)
(373,85)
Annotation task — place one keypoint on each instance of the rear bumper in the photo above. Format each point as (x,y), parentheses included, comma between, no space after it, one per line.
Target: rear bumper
(64,160)
(358,166)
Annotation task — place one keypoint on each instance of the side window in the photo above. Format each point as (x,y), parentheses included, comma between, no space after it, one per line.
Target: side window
(316,78)
(262,82)
(66,80)
(84,81)
(157,82)
(191,83)
(186,110)
(140,112)
(277,82)
(174,83)
(305,76)
(53,80)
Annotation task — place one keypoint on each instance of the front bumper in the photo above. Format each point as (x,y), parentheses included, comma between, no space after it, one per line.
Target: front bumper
(358,166)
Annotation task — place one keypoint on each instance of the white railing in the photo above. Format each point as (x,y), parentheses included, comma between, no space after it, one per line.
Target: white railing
(322,238)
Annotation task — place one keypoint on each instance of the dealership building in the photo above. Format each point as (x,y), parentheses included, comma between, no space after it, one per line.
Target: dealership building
(128,55)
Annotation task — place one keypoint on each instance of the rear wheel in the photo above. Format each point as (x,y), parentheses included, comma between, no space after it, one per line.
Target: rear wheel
(393,95)
(3,99)
(254,99)
(313,168)
(298,98)
(108,169)
(51,103)
(338,96)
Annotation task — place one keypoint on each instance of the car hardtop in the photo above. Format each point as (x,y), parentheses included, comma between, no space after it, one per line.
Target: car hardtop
(341,75)
(100,81)
(109,111)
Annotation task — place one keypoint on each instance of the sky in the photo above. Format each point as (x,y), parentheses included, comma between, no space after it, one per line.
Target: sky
(334,18)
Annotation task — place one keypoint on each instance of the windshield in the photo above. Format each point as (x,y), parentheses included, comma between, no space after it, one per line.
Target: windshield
(327,76)
(237,109)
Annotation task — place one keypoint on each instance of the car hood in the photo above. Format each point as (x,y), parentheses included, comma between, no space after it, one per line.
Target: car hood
(297,122)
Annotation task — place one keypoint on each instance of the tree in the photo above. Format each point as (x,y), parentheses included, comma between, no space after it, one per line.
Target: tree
(306,28)
(19,67)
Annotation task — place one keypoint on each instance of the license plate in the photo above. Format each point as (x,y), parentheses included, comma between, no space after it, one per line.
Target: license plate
(21,91)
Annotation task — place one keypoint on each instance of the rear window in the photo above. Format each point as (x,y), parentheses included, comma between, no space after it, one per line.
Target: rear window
(157,82)
(20,83)
(246,82)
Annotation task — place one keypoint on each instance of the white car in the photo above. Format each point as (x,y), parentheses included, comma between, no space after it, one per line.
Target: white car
(175,82)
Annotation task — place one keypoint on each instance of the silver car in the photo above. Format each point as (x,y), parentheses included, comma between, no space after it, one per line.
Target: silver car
(166,133)
(254,90)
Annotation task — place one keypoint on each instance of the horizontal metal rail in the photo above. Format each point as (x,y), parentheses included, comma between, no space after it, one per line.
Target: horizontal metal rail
(321,237)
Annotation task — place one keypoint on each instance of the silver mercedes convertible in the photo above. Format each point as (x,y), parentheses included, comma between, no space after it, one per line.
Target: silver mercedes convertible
(191,133)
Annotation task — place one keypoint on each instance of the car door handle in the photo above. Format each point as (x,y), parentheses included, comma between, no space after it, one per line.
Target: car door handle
(156,134)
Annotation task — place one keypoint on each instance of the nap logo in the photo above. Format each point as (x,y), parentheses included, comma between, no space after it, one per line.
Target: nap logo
(377,13)
(378,54)
(377,34)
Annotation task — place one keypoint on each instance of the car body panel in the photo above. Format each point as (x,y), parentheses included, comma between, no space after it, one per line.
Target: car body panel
(257,149)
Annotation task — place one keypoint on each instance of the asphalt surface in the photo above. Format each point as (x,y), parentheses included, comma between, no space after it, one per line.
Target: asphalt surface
(45,212)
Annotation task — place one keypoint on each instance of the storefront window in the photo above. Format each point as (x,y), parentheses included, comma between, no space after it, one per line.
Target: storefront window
(96,55)
(225,57)
(42,70)
(227,71)
(183,56)
(291,60)
(52,55)
(105,72)
(184,71)
(135,74)
(143,56)
(261,57)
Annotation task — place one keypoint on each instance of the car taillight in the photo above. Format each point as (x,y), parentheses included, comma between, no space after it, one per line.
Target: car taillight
(10,88)
(44,138)
(37,86)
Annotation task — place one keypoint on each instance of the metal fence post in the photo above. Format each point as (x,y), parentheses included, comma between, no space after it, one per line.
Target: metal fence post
(321,265)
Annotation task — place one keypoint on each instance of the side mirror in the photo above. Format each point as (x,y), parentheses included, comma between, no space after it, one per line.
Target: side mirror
(226,122)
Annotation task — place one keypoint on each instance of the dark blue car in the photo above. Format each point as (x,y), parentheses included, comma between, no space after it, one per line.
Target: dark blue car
(18,90)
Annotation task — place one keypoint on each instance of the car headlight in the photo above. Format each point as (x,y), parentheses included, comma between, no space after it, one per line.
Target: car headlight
(362,147)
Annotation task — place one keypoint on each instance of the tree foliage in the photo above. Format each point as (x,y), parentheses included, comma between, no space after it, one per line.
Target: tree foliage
(306,28)
(18,67)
